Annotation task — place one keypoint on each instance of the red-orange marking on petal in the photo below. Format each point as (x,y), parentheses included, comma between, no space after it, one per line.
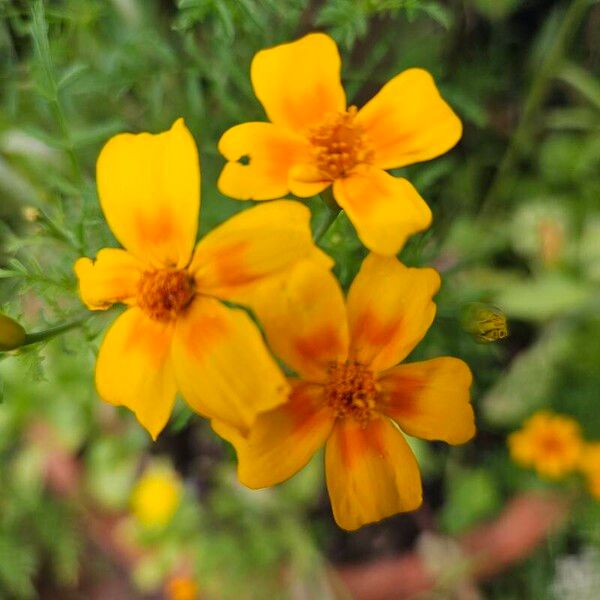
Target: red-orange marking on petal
(143,337)
(368,328)
(156,228)
(319,345)
(229,264)
(200,335)
(400,395)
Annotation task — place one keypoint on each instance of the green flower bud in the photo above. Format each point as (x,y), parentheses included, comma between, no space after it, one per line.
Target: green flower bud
(12,335)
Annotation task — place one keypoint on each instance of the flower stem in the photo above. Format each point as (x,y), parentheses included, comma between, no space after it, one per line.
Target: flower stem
(333,212)
(47,334)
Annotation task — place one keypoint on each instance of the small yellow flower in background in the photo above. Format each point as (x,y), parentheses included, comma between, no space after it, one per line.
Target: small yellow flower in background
(181,588)
(549,443)
(156,496)
(314,140)
(590,466)
(176,335)
(351,395)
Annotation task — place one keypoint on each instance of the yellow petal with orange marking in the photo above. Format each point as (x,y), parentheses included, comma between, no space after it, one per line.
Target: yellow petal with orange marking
(303,316)
(113,277)
(390,309)
(134,368)
(149,188)
(298,83)
(222,366)
(430,399)
(371,473)
(384,210)
(254,244)
(283,440)
(268,153)
(408,121)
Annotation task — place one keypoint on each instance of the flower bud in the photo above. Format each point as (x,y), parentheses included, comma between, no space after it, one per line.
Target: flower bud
(12,335)
(485,322)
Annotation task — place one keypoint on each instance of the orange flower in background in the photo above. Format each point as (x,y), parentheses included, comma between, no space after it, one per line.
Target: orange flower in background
(181,588)
(314,140)
(590,466)
(176,335)
(351,395)
(549,443)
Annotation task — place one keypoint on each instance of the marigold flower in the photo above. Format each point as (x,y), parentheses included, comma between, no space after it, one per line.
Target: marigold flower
(181,588)
(351,395)
(156,496)
(176,335)
(314,140)
(590,466)
(549,443)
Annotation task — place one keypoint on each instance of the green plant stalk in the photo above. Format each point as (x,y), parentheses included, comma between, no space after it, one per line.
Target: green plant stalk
(52,332)
(536,96)
(333,212)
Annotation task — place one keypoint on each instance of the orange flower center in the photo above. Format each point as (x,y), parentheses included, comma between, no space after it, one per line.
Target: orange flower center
(339,144)
(164,293)
(351,390)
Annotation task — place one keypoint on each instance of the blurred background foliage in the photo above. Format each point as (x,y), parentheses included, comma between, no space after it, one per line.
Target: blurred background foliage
(516,228)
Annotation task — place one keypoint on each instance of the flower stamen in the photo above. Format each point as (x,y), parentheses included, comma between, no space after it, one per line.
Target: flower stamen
(351,391)
(339,144)
(162,294)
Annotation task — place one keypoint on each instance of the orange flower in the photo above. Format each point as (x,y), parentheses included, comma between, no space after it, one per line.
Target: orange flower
(590,465)
(181,588)
(549,443)
(350,395)
(314,140)
(175,334)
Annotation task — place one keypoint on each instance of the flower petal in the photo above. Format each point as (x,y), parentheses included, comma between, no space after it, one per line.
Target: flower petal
(305,180)
(298,83)
(252,245)
(390,309)
(111,278)
(430,399)
(408,121)
(134,368)
(149,187)
(222,366)
(385,210)
(283,440)
(304,318)
(270,152)
(371,473)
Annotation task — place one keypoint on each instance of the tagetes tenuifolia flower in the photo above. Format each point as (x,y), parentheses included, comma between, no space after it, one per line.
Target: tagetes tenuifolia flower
(176,335)
(549,443)
(351,395)
(590,466)
(182,588)
(315,140)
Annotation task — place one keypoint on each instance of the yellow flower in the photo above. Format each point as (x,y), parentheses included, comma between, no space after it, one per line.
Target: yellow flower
(351,395)
(314,140)
(549,443)
(176,335)
(181,588)
(156,496)
(590,465)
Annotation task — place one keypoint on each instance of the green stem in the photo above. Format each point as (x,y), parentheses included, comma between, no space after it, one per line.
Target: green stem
(333,212)
(47,334)
(536,96)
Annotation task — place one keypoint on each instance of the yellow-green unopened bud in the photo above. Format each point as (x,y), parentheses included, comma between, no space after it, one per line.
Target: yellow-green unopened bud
(12,335)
